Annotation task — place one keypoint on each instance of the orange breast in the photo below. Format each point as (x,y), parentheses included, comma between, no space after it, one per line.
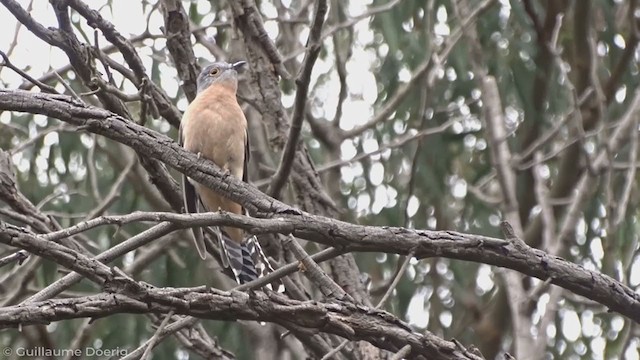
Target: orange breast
(214,126)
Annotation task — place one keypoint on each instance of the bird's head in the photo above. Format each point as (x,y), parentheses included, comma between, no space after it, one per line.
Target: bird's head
(219,73)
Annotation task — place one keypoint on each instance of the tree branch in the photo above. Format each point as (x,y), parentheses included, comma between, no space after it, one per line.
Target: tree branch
(339,318)
(286,219)
(176,29)
(424,68)
(164,105)
(300,102)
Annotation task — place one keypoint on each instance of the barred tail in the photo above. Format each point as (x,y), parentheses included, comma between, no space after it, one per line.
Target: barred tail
(240,260)
(247,261)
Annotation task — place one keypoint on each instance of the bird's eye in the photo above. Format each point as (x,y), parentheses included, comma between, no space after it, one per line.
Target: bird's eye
(214,72)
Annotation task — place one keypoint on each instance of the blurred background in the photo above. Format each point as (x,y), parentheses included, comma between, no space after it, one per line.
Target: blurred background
(397,126)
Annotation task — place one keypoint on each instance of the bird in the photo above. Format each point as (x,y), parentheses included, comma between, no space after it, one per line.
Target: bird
(214,127)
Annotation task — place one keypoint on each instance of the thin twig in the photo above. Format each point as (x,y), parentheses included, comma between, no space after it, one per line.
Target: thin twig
(546,210)
(314,272)
(406,350)
(67,86)
(44,87)
(349,23)
(302,81)
(108,256)
(334,351)
(56,194)
(60,128)
(396,280)
(630,179)
(18,256)
(584,186)
(290,268)
(384,298)
(114,192)
(426,66)
(399,142)
(186,321)
(80,337)
(92,172)
(16,32)
(156,338)
(555,130)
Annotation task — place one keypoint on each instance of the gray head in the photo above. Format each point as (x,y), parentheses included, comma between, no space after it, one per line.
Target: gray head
(219,73)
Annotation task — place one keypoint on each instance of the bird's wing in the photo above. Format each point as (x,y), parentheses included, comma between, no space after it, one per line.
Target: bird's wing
(247,155)
(191,200)
(248,260)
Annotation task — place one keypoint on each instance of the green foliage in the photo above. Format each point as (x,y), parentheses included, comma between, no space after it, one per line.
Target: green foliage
(443,181)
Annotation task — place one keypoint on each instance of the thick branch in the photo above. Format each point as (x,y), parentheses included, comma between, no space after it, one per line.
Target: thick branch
(176,23)
(339,318)
(354,322)
(286,219)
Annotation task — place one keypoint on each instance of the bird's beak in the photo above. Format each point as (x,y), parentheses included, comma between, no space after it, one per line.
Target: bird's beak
(238,65)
